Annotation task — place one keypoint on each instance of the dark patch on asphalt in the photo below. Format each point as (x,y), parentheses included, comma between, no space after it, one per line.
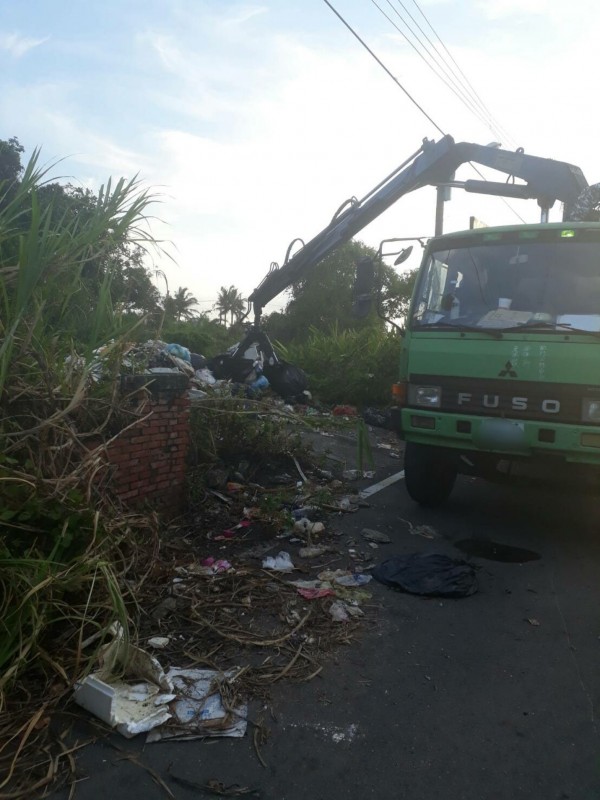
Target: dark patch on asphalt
(494,551)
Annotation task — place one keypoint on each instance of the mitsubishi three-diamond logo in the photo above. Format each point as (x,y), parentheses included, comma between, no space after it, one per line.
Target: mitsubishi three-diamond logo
(508,371)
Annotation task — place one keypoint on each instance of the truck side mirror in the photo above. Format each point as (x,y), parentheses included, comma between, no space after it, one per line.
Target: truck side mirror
(404,254)
(363,287)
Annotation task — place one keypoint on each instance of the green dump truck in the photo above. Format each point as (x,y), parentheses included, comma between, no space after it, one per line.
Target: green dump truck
(500,370)
(501,361)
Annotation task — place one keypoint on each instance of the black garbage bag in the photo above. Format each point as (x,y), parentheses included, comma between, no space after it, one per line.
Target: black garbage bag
(198,361)
(288,380)
(231,368)
(428,574)
(379,418)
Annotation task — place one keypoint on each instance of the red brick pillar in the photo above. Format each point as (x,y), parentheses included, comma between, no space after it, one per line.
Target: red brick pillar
(149,459)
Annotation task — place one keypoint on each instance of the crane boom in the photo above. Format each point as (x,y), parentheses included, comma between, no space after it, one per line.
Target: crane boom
(434,163)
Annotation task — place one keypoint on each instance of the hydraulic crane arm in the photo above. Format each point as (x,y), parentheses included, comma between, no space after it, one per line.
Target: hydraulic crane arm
(433,164)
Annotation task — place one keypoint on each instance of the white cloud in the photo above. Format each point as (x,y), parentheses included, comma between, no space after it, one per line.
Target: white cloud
(18,45)
(245,13)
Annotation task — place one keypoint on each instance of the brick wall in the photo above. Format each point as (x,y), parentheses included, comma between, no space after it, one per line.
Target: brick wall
(149,459)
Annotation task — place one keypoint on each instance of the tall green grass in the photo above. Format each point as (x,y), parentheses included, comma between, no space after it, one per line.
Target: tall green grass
(353,367)
(60,537)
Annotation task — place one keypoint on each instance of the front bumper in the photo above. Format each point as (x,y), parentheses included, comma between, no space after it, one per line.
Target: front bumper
(502,436)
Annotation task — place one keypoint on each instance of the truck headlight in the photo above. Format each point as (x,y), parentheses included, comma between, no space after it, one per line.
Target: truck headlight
(425,396)
(590,409)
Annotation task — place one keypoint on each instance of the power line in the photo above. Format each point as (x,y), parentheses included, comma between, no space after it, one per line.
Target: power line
(382,65)
(406,92)
(473,101)
(467,81)
(465,86)
(447,79)
(488,120)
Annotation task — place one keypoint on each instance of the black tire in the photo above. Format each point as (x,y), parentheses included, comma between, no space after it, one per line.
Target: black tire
(428,474)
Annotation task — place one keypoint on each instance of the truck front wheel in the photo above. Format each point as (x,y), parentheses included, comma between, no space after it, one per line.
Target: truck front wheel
(428,474)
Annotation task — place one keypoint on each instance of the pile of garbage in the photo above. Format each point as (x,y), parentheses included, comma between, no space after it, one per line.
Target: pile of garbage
(249,370)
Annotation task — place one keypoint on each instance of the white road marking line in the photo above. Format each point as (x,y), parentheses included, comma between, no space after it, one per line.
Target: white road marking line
(377,487)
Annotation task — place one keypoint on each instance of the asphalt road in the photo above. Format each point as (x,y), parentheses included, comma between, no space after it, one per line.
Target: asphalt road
(490,697)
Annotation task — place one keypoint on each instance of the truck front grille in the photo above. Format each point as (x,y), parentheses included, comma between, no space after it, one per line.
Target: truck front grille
(558,402)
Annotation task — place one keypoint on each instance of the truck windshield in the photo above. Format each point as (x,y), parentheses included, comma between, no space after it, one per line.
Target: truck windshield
(511,283)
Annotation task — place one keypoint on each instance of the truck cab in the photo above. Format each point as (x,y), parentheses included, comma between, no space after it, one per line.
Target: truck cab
(500,368)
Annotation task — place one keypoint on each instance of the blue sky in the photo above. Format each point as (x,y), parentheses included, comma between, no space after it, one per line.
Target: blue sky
(256,120)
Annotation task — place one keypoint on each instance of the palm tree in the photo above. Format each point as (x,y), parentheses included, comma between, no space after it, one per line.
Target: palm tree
(237,306)
(230,302)
(180,305)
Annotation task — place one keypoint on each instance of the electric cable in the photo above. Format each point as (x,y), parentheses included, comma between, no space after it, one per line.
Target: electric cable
(382,65)
(474,92)
(448,81)
(463,83)
(406,92)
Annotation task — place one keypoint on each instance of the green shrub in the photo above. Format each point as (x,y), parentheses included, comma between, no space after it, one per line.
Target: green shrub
(353,367)
(208,337)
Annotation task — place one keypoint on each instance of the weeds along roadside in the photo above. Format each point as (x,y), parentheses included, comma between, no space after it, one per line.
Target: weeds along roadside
(228,428)
(70,560)
(355,367)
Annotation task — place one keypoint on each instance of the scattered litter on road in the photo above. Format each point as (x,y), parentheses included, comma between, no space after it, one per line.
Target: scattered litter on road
(345,504)
(344,411)
(279,563)
(353,580)
(355,474)
(130,691)
(376,417)
(352,595)
(344,578)
(304,511)
(314,584)
(130,708)
(158,642)
(304,525)
(533,621)
(315,593)
(231,533)
(221,496)
(428,574)
(426,531)
(197,709)
(207,567)
(338,612)
(343,612)
(302,475)
(313,552)
(375,536)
